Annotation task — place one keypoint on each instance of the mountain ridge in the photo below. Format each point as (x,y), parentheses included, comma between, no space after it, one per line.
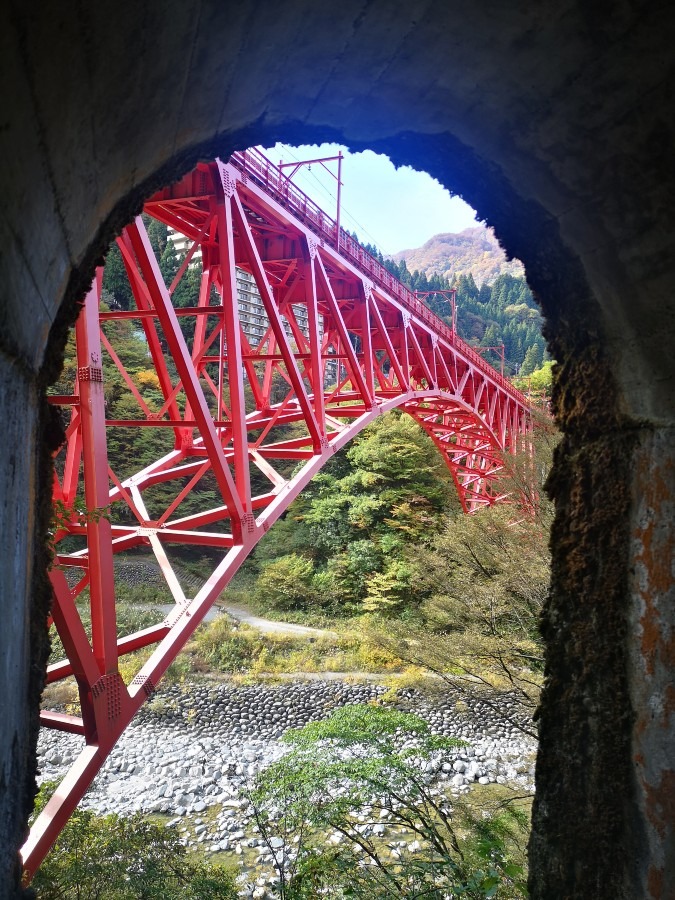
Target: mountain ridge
(474,250)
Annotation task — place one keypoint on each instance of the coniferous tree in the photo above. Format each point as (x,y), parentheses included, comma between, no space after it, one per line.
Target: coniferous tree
(532,361)
(115,280)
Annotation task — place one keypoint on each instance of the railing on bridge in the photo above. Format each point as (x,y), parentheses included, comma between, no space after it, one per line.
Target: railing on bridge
(255,165)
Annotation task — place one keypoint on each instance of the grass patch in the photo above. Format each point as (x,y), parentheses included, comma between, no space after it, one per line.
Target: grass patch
(241,650)
(62,695)
(141,594)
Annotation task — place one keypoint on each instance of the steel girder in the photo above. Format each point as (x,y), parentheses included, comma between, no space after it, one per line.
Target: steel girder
(343,343)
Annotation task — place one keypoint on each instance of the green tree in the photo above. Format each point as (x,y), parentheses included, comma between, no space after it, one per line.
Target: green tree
(169,263)
(286,583)
(115,280)
(492,335)
(351,570)
(349,773)
(532,361)
(387,492)
(388,591)
(158,235)
(467,288)
(485,578)
(540,381)
(116,858)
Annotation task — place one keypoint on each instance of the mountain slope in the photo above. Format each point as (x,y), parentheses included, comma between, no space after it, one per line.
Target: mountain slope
(474,250)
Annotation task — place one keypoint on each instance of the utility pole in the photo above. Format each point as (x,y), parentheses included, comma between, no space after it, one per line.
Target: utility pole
(450,295)
(499,350)
(322,162)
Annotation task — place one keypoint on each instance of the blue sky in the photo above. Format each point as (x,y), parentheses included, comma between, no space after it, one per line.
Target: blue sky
(396,209)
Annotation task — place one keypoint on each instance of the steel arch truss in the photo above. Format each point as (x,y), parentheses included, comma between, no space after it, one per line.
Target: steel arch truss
(246,421)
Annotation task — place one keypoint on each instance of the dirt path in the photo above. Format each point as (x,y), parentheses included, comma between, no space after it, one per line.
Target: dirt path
(148,570)
(269,626)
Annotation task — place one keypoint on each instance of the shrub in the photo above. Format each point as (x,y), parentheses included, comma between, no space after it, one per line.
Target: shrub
(348,773)
(223,648)
(116,858)
(286,583)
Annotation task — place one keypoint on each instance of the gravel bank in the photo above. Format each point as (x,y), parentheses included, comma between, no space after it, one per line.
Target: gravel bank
(192,749)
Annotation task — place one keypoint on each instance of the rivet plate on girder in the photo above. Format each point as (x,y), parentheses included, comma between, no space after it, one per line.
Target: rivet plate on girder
(228,182)
(90,373)
(110,686)
(248,522)
(146,683)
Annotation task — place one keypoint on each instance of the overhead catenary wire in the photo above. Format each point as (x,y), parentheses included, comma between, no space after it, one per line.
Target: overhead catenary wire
(326,191)
(310,174)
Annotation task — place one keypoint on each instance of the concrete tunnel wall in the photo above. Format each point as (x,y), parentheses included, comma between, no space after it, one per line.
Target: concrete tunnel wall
(556,123)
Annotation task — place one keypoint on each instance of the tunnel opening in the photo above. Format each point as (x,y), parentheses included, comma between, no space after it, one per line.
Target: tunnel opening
(122,319)
(567,228)
(545,236)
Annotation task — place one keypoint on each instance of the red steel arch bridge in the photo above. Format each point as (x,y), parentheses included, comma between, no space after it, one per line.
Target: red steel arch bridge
(254,418)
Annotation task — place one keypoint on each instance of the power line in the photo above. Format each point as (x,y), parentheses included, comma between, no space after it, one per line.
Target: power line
(330,195)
